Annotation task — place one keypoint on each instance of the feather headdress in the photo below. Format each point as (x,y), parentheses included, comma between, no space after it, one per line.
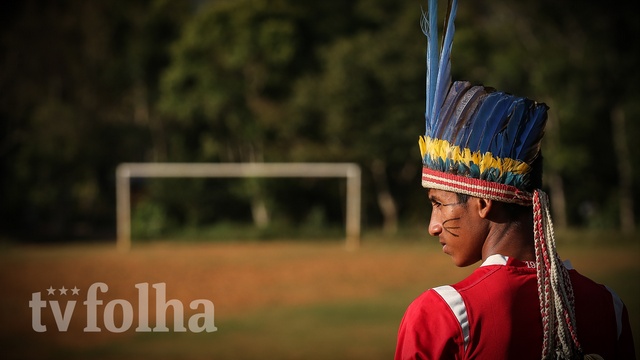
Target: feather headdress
(482,142)
(475,131)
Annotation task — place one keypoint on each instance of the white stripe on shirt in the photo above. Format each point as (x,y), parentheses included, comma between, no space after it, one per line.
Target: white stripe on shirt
(455,302)
(618,305)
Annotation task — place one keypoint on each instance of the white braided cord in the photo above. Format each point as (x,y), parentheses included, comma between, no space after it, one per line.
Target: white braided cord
(554,288)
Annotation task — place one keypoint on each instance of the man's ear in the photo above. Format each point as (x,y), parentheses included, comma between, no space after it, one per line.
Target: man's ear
(484,207)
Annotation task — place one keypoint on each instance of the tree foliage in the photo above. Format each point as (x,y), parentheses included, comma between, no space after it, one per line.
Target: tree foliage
(89,85)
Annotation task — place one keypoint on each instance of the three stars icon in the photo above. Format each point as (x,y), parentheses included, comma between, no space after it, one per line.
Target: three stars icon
(63,290)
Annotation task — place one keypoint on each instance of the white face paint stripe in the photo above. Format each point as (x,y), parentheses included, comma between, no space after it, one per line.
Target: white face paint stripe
(618,305)
(455,302)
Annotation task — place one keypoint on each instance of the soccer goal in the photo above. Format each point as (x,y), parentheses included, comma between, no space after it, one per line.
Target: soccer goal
(126,171)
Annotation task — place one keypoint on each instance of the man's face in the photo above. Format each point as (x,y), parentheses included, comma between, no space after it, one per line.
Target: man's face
(458,226)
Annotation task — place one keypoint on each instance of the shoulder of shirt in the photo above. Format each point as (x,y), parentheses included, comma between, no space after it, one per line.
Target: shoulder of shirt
(489,267)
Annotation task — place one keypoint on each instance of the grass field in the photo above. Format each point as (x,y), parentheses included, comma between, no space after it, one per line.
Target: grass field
(273,300)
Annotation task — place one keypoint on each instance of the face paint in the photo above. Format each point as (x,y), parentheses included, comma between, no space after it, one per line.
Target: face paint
(449,228)
(456,225)
(437,206)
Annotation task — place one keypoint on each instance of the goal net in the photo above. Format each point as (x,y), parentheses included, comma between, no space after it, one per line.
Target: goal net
(126,171)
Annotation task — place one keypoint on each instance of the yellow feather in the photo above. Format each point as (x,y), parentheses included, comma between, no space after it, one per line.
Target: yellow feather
(485,162)
(522,168)
(442,149)
(455,153)
(466,156)
(422,142)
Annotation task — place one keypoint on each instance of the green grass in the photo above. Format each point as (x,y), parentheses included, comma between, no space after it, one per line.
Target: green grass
(230,231)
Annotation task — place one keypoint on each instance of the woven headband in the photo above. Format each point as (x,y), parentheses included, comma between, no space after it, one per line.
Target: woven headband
(475,187)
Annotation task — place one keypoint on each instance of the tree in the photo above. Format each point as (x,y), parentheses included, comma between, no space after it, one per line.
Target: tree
(87,86)
(580,65)
(67,77)
(363,104)
(224,90)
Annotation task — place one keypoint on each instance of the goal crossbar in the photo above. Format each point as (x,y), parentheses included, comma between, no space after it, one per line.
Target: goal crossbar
(126,171)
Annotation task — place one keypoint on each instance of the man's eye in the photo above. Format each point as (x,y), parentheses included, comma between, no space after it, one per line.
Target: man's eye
(435,204)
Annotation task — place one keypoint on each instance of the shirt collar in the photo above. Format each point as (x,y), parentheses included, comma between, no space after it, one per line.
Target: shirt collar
(498,259)
(495,259)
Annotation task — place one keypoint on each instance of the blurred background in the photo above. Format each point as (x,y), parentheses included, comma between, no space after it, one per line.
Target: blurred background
(88,85)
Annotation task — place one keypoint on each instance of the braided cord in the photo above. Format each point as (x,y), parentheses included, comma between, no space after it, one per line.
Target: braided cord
(544,292)
(555,291)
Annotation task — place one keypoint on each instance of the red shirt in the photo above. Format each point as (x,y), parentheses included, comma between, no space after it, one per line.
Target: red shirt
(495,314)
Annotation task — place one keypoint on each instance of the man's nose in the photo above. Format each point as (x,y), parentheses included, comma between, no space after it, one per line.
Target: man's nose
(435,228)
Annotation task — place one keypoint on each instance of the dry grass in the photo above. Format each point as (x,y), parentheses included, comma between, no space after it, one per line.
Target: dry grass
(312,286)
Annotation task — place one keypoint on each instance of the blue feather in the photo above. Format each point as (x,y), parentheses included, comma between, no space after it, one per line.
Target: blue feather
(506,138)
(438,61)
(457,90)
(444,71)
(465,115)
(429,24)
(514,126)
(474,170)
(472,129)
(529,139)
(492,109)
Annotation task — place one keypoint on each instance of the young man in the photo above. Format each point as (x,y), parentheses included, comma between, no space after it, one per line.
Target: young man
(482,168)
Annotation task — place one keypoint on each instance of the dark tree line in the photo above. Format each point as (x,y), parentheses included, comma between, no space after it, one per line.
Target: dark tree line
(88,85)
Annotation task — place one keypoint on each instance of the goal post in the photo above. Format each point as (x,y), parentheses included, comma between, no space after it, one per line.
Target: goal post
(126,171)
